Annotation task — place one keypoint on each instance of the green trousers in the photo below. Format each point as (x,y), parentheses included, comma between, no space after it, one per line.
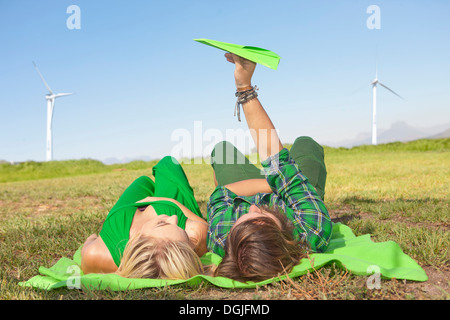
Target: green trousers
(230,165)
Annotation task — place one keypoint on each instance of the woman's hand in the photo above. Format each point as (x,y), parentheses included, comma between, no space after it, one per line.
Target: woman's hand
(243,71)
(148,199)
(188,213)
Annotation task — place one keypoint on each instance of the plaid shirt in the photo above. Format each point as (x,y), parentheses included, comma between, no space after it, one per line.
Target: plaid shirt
(291,192)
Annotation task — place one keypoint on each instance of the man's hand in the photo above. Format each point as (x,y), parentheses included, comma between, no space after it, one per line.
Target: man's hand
(243,71)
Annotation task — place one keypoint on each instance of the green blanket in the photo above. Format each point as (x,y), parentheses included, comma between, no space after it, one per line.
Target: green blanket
(359,255)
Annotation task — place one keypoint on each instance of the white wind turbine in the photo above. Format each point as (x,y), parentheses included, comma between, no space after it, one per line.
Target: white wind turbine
(374,116)
(50,97)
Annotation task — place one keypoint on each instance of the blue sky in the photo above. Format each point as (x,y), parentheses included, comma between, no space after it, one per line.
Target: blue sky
(139,78)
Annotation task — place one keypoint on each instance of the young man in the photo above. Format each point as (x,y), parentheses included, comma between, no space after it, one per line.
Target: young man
(262,224)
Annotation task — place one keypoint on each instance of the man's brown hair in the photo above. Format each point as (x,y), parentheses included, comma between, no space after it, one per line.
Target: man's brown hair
(258,249)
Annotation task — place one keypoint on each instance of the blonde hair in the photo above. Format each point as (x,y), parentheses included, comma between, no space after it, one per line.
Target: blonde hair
(148,257)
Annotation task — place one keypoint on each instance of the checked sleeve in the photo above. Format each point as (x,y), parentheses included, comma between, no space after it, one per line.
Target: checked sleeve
(220,217)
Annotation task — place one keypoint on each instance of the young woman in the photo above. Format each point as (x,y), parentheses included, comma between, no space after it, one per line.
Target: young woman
(155,230)
(263,223)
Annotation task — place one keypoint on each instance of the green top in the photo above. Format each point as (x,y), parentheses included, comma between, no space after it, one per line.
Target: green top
(170,182)
(116,228)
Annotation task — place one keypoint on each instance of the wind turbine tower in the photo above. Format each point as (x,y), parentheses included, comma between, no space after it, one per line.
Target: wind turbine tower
(374,84)
(50,97)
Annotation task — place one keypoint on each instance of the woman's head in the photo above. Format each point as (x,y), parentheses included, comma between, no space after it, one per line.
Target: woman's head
(260,246)
(159,258)
(164,227)
(160,250)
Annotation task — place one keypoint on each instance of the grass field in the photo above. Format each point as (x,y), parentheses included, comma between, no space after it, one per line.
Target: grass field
(398,191)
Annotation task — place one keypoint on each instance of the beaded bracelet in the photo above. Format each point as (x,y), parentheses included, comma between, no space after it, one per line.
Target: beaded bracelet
(242,98)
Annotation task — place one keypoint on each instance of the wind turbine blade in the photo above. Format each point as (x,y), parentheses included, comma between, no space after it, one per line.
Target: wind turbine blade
(42,78)
(390,90)
(62,94)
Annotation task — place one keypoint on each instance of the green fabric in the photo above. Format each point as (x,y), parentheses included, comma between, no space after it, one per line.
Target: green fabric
(262,56)
(358,255)
(170,182)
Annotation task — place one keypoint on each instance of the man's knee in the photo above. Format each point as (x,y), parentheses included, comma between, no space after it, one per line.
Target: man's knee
(306,139)
(222,145)
(307,143)
(223,153)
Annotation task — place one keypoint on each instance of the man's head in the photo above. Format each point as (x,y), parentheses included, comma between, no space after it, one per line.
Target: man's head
(260,246)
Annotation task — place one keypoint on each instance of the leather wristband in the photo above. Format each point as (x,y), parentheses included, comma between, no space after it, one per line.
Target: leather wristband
(244,88)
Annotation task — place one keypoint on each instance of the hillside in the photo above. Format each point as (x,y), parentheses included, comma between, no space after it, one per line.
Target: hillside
(32,170)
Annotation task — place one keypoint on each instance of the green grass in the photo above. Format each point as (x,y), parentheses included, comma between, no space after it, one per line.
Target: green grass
(32,170)
(397,191)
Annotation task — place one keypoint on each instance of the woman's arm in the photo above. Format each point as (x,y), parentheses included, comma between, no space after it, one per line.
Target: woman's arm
(88,242)
(196,228)
(196,232)
(95,256)
(188,213)
(249,187)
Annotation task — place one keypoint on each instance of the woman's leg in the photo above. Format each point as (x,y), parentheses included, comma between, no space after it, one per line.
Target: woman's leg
(141,188)
(230,165)
(171,182)
(309,156)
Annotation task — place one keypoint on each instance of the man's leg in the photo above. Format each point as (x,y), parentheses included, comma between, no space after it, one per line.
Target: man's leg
(309,156)
(230,165)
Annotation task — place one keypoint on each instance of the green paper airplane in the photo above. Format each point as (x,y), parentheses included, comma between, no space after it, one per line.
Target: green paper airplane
(262,56)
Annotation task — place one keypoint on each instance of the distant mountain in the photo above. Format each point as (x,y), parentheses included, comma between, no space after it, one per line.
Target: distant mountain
(444,134)
(399,131)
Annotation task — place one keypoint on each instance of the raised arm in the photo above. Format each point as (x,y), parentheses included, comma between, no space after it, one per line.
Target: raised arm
(261,127)
(310,216)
